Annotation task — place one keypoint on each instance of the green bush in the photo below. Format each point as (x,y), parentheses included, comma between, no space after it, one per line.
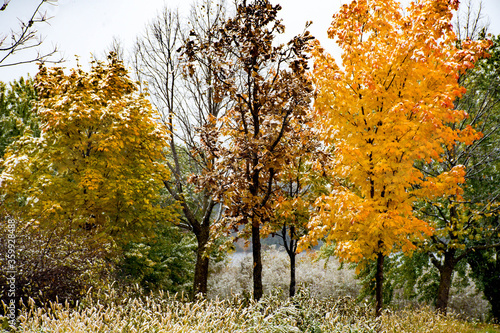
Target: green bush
(163,263)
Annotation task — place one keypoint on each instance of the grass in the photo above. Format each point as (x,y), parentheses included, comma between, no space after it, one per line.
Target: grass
(487,328)
(109,312)
(326,302)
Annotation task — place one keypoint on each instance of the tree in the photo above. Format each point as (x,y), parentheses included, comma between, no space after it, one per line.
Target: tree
(250,144)
(301,182)
(388,106)
(25,38)
(464,229)
(96,165)
(185,103)
(16,111)
(484,263)
(469,224)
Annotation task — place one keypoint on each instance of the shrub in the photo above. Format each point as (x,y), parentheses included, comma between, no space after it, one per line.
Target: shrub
(163,263)
(50,264)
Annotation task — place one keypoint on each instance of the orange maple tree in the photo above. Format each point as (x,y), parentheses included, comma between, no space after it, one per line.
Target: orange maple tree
(388,105)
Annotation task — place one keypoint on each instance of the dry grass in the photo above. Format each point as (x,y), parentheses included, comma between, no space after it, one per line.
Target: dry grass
(164,313)
(235,276)
(325,303)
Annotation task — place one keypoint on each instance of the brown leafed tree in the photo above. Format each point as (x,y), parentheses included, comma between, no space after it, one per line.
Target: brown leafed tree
(252,142)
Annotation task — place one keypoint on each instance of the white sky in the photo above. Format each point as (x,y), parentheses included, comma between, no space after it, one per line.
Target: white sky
(85,27)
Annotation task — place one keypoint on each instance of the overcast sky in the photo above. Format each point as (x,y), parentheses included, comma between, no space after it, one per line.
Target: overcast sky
(85,27)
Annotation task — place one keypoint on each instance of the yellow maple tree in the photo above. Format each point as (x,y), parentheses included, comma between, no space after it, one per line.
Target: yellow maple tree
(388,105)
(96,165)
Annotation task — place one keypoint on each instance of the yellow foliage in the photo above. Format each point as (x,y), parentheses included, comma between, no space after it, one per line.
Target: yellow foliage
(96,157)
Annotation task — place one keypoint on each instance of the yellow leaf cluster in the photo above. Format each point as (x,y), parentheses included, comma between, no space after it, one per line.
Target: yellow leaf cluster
(97,160)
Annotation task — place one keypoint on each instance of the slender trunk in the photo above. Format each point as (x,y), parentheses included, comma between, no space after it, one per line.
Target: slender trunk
(445,279)
(292,255)
(257,263)
(202,262)
(291,248)
(379,281)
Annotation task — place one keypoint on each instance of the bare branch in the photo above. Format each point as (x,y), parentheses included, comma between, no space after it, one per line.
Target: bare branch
(26,38)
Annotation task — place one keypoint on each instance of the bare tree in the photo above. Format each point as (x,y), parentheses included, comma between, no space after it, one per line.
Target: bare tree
(26,37)
(116,47)
(185,103)
(470,21)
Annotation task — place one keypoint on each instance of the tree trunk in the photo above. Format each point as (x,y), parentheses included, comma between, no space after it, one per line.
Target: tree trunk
(291,248)
(257,262)
(485,266)
(492,294)
(445,278)
(202,262)
(292,255)
(379,281)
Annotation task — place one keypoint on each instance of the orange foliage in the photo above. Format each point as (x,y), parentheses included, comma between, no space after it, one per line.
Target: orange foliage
(388,105)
